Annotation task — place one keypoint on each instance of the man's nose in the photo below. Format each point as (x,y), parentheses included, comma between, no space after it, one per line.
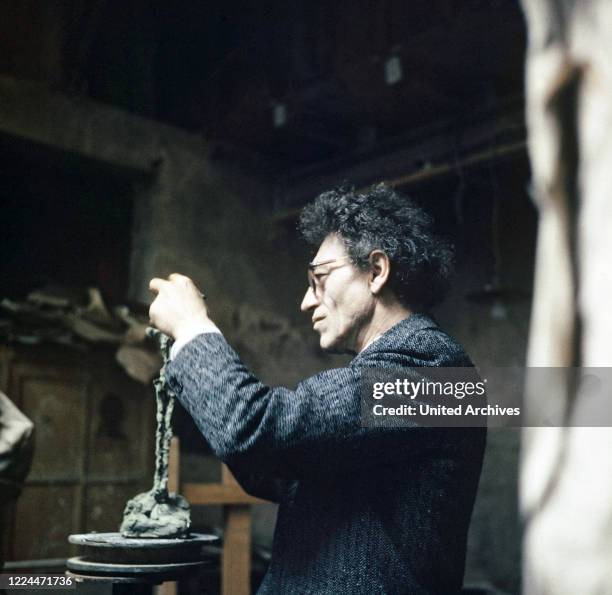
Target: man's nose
(310,301)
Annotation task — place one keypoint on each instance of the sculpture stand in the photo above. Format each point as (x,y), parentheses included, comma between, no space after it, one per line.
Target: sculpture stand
(154,544)
(128,563)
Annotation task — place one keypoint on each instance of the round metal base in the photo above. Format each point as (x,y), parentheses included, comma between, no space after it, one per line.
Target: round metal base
(89,571)
(114,549)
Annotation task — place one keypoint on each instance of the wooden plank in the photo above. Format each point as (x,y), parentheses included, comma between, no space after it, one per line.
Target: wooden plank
(174,462)
(227,477)
(215,493)
(174,465)
(236,556)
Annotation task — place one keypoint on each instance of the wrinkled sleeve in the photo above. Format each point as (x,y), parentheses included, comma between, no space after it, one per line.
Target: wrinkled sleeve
(311,430)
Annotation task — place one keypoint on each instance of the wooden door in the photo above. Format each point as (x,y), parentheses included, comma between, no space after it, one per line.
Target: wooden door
(93,447)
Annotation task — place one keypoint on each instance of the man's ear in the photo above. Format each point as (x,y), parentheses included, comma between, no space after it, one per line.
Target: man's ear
(380,268)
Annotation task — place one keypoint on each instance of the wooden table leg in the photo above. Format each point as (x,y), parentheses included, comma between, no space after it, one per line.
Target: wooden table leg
(174,461)
(236,556)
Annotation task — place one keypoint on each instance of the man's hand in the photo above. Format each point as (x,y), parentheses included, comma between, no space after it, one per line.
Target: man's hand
(179,309)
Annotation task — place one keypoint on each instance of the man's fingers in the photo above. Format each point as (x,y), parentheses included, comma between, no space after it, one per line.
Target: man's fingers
(174,277)
(177,304)
(156,284)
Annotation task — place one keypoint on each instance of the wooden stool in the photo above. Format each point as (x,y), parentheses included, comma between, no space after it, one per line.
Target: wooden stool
(236,503)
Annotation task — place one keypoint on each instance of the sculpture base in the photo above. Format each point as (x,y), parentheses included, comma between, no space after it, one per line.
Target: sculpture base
(113,548)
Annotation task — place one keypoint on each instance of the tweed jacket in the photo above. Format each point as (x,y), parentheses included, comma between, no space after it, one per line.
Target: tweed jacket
(361,510)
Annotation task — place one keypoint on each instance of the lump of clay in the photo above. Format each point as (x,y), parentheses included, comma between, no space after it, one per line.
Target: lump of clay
(146,517)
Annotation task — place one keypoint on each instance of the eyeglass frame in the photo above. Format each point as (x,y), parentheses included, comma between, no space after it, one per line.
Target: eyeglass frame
(312,280)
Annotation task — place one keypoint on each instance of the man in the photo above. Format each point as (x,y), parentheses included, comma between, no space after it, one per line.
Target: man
(362,510)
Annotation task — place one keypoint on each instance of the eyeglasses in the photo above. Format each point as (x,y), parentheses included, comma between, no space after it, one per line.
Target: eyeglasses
(316,282)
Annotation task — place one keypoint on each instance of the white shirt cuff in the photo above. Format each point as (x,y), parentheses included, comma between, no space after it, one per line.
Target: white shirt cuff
(191,334)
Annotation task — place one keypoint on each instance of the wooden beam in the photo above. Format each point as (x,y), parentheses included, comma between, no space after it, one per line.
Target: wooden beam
(439,145)
(32,113)
(214,493)
(430,172)
(236,555)
(174,466)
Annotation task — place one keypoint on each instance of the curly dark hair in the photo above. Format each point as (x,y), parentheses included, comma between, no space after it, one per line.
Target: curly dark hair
(421,262)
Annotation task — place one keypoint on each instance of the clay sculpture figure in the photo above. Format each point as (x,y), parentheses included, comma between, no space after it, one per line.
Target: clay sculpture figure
(159,513)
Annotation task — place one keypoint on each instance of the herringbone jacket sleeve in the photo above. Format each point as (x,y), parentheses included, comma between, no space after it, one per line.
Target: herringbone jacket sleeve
(310,431)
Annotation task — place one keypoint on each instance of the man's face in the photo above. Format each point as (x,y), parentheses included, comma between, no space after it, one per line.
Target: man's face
(341,302)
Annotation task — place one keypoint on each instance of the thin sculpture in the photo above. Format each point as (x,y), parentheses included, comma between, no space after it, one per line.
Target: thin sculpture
(159,513)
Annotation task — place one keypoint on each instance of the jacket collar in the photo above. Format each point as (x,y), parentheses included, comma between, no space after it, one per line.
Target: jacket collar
(398,332)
